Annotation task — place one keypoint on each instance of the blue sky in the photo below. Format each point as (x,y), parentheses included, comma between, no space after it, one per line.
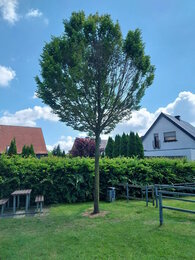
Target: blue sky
(168,30)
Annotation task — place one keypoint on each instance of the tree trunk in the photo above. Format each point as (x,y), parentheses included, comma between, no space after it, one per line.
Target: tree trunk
(97,177)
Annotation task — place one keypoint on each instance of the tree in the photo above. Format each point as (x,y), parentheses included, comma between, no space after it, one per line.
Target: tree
(116,149)
(123,145)
(92,78)
(12,148)
(139,145)
(109,148)
(58,152)
(83,147)
(28,151)
(131,146)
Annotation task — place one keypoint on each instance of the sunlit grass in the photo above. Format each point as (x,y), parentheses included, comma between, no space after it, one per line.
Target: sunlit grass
(129,231)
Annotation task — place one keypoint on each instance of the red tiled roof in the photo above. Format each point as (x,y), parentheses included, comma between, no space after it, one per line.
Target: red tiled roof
(24,136)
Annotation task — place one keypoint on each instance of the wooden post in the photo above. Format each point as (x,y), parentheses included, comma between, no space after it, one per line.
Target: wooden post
(14,204)
(18,201)
(41,206)
(160,209)
(156,195)
(26,209)
(28,201)
(146,195)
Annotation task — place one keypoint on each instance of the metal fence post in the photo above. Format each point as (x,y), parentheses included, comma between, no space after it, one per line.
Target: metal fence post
(156,195)
(146,196)
(153,196)
(160,209)
(127,187)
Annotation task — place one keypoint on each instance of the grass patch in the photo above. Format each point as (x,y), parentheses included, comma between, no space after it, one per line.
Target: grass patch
(127,231)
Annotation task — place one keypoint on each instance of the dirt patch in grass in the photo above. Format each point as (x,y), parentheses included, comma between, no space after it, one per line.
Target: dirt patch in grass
(90,214)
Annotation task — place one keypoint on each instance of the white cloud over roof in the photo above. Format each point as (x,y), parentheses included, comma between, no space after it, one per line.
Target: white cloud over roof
(8,10)
(183,105)
(65,142)
(6,75)
(28,117)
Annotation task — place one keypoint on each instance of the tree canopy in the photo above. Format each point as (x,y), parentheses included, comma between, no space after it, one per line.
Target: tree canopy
(92,77)
(12,148)
(83,147)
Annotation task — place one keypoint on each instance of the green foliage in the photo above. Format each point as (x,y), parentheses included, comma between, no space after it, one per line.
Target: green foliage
(28,151)
(58,152)
(123,145)
(92,78)
(139,146)
(116,149)
(109,147)
(70,180)
(12,149)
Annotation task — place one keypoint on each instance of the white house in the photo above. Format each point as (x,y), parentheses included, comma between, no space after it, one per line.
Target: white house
(169,136)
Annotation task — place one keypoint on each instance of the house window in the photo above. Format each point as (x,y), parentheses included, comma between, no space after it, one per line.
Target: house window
(156,142)
(170,136)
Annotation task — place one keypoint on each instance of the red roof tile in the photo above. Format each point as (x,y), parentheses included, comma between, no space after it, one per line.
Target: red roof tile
(24,136)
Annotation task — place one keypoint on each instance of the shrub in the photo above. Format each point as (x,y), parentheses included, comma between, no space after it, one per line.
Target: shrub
(71,179)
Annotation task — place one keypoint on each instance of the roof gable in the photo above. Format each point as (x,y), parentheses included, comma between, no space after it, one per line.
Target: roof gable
(24,136)
(182,125)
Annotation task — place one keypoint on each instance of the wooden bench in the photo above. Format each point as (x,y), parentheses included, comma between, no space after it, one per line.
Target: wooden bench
(39,201)
(3,204)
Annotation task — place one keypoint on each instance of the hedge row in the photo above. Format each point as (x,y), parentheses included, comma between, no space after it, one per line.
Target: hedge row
(71,179)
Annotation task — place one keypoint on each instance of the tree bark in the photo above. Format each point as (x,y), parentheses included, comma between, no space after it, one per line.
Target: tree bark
(97,178)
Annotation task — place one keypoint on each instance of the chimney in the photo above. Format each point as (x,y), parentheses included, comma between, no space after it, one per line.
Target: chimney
(177,117)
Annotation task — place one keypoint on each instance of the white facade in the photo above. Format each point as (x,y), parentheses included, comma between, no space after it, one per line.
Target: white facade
(183,146)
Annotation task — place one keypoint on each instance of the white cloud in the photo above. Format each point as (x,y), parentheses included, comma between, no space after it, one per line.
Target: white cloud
(6,75)
(183,105)
(8,10)
(34,96)
(65,142)
(32,13)
(28,117)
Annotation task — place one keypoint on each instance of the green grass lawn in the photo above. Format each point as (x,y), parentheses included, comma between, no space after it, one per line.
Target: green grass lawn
(129,231)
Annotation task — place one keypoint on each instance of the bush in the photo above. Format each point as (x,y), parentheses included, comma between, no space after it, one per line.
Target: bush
(71,179)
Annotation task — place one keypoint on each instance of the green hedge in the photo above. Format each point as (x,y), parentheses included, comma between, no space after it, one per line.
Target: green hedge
(71,179)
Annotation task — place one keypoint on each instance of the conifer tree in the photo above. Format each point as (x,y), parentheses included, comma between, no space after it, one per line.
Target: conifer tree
(123,145)
(31,151)
(131,145)
(12,149)
(116,149)
(109,148)
(139,146)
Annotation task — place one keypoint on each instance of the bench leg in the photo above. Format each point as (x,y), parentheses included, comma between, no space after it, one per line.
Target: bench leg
(26,209)
(41,206)
(18,201)
(8,204)
(2,210)
(14,204)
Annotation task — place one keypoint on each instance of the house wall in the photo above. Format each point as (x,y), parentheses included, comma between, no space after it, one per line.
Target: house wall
(183,147)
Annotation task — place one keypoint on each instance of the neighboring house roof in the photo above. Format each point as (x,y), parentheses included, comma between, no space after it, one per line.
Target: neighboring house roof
(24,136)
(182,125)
